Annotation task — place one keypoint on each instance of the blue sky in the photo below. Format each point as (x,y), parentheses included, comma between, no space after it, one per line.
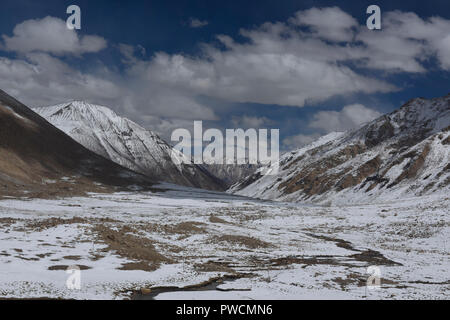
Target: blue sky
(286,70)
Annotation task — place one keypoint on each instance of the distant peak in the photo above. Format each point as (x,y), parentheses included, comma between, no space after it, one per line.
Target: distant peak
(80,103)
(84,106)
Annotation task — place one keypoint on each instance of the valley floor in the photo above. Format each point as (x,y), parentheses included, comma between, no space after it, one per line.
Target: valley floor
(191,244)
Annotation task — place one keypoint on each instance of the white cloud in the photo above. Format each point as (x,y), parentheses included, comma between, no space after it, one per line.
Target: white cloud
(129,52)
(443,51)
(307,59)
(299,140)
(196,23)
(165,126)
(251,73)
(50,35)
(250,122)
(283,64)
(327,23)
(349,117)
(41,79)
(405,41)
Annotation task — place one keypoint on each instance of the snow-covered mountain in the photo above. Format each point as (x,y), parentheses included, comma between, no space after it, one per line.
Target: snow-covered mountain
(401,154)
(123,141)
(232,173)
(39,160)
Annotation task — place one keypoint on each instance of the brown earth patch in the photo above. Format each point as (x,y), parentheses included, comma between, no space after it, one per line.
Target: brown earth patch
(9,221)
(170,248)
(370,256)
(415,164)
(131,247)
(293,162)
(64,267)
(213,266)
(27,259)
(185,228)
(364,171)
(141,265)
(374,257)
(352,279)
(76,258)
(376,135)
(96,257)
(53,222)
(215,219)
(305,260)
(248,242)
(339,242)
(313,179)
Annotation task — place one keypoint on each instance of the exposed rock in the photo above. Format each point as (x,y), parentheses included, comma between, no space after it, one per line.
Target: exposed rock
(39,160)
(404,152)
(123,141)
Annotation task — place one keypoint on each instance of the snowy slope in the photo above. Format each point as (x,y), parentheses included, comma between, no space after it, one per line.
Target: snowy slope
(232,173)
(39,160)
(404,153)
(263,250)
(102,131)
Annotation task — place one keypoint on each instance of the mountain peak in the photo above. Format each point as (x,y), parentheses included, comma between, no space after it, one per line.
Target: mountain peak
(402,153)
(33,151)
(123,141)
(81,107)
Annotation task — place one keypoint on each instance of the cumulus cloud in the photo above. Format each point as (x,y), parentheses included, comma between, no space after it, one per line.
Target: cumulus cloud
(50,35)
(315,55)
(269,69)
(327,23)
(196,23)
(41,79)
(349,117)
(405,42)
(280,63)
(250,122)
(299,140)
(130,53)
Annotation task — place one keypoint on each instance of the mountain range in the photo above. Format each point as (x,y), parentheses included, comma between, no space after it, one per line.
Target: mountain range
(123,141)
(231,173)
(401,154)
(79,147)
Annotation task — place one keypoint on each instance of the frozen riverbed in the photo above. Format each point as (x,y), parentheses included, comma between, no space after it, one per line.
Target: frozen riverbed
(190,244)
